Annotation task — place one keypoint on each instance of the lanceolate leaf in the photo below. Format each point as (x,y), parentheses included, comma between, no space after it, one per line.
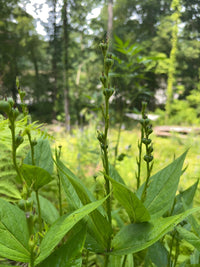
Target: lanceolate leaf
(162,188)
(98,226)
(73,200)
(115,175)
(68,255)
(35,177)
(42,155)
(132,204)
(136,237)
(185,198)
(62,226)
(14,233)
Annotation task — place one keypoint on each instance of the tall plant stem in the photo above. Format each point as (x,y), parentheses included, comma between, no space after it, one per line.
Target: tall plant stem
(106,163)
(12,128)
(32,148)
(147,178)
(139,159)
(106,169)
(39,211)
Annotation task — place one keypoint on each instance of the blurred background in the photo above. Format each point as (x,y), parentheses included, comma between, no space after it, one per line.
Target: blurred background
(53,47)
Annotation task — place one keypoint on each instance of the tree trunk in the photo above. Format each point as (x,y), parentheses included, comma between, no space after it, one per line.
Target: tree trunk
(54,60)
(66,64)
(110,20)
(171,71)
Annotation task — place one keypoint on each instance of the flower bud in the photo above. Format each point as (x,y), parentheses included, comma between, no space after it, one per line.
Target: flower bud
(148,158)
(15,113)
(108,63)
(18,140)
(5,107)
(108,92)
(146,141)
(104,48)
(103,80)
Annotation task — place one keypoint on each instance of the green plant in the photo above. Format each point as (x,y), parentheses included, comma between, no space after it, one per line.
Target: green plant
(113,231)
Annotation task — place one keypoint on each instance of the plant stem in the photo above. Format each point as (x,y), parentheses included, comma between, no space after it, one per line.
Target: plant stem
(106,163)
(14,156)
(139,160)
(39,211)
(106,168)
(32,149)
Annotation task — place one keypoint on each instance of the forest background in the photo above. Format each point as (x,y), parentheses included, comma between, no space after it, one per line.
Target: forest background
(154,43)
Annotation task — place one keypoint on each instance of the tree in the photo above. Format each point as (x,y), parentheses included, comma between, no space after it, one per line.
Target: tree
(175,17)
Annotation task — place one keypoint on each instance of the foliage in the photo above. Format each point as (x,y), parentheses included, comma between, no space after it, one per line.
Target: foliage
(114,229)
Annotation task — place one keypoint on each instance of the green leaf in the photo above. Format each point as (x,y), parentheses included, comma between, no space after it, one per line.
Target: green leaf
(135,237)
(49,213)
(72,198)
(68,255)
(35,176)
(14,235)
(132,204)
(62,226)
(162,188)
(42,155)
(185,198)
(115,175)
(157,254)
(189,237)
(99,228)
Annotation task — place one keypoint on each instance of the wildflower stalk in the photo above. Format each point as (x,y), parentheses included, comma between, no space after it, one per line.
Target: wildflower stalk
(103,136)
(139,159)
(147,130)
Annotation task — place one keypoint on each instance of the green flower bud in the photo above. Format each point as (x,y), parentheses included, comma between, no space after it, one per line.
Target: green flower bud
(15,113)
(18,140)
(146,141)
(104,48)
(146,121)
(108,63)
(100,137)
(5,107)
(150,149)
(148,158)
(103,80)
(149,131)
(108,92)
